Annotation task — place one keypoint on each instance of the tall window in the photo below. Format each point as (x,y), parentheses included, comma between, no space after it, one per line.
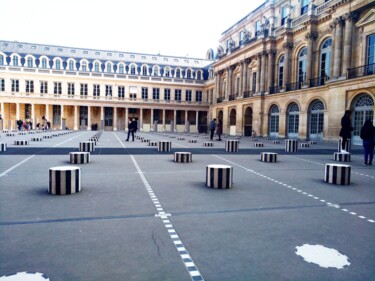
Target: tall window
(121,92)
(284,14)
(199,75)
(30,62)
(84,66)
(96,67)
(70,88)
(370,54)
(257,27)
(71,65)
(188,95)
(198,96)
(363,110)
(316,119)
(15,85)
(274,121)
(109,67)
(2,60)
(304,6)
(83,90)
(325,59)
(2,85)
(43,87)
(132,70)
(144,93)
(83,115)
(293,120)
(57,64)
(302,60)
(15,60)
(188,74)
(121,69)
(178,73)
(253,86)
(96,90)
(28,110)
(156,71)
(167,72)
(108,90)
(57,90)
(242,35)
(280,73)
(44,63)
(167,94)
(29,86)
(155,93)
(56,111)
(144,70)
(177,95)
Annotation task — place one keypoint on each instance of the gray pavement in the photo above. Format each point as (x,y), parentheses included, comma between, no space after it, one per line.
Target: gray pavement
(141,216)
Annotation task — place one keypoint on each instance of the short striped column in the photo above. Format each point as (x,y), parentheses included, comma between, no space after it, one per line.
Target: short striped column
(3,146)
(5,131)
(64,180)
(22,133)
(337,174)
(253,139)
(291,145)
(183,157)
(164,146)
(267,138)
(304,145)
(258,144)
(312,142)
(10,135)
(231,145)
(79,157)
(276,142)
(192,141)
(180,138)
(348,146)
(36,139)
(219,176)
(21,142)
(86,146)
(145,140)
(153,143)
(47,137)
(208,143)
(341,157)
(94,140)
(268,157)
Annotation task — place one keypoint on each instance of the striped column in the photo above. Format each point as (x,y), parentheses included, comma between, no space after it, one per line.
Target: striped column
(183,157)
(164,146)
(348,146)
(145,140)
(36,139)
(79,157)
(47,137)
(192,141)
(291,145)
(258,144)
(180,138)
(94,140)
(268,157)
(3,146)
(312,142)
(304,145)
(86,146)
(208,143)
(231,145)
(337,174)
(341,157)
(219,176)
(21,142)
(10,135)
(153,143)
(276,142)
(22,133)
(64,180)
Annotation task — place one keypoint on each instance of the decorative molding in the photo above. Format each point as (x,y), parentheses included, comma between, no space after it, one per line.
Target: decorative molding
(368,18)
(288,45)
(311,35)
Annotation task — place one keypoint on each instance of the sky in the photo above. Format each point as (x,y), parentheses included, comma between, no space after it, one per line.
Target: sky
(166,27)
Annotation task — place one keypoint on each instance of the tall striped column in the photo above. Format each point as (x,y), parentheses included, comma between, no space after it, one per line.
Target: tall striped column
(291,145)
(79,157)
(86,146)
(164,146)
(64,180)
(3,146)
(219,176)
(348,146)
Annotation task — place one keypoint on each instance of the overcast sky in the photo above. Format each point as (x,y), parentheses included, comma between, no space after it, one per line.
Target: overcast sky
(169,27)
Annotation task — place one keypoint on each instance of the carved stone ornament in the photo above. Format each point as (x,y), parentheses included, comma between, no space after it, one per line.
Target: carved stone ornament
(311,35)
(288,45)
(220,51)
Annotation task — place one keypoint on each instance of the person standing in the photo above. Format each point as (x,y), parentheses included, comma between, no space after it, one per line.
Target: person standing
(346,130)
(212,128)
(367,135)
(219,129)
(133,126)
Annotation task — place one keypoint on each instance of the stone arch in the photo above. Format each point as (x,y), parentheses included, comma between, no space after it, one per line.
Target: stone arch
(248,121)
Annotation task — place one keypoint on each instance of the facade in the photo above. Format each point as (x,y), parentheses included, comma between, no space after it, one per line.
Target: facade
(84,89)
(288,69)
(291,68)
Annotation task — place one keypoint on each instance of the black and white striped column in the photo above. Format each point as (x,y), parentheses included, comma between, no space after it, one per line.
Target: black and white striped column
(164,146)
(312,142)
(258,144)
(21,142)
(268,157)
(64,180)
(231,145)
(348,146)
(180,138)
(94,140)
(192,141)
(36,139)
(86,146)
(208,143)
(341,157)
(3,146)
(219,176)
(153,143)
(276,142)
(10,135)
(47,137)
(337,174)
(304,145)
(79,157)
(183,157)
(291,145)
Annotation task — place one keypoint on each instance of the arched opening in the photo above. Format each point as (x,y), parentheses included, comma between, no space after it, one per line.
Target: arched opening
(293,121)
(248,121)
(274,121)
(316,120)
(232,122)
(363,109)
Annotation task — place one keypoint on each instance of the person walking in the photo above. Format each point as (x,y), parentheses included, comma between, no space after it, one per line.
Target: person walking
(212,128)
(133,127)
(367,135)
(219,129)
(346,131)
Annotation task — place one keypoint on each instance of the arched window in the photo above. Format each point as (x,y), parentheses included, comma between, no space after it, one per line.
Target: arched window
(188,74)
(274,121)
(156,71)
(363,110)
(132,69)
(293,120)
(57,64)
(316,117)
(71,65)
(199,75)
(178,73)
(97,66)
(84,65)
(167,72)
(2,59)
(109,67)
(30,62)
(280,72)
(302,60)
(370,54)
(15,60)
(121,68)
(144,70)
(44,63)
(325,61)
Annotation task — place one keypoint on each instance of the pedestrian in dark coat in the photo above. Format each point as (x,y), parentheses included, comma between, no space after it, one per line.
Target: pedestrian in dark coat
(346,130)
(133,127)
(212,128)
(219,129)
(367,135)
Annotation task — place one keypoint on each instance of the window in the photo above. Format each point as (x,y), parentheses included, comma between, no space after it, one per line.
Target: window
(144,93)
(167,72)
(188,74)
(156,71)
(199,75)
(144,70)
(71,65)
(29,86)
(155,93)
(15,85)
(83,89)
(57,64)
(257,27)
(370,61)
(2,60)
(83,115)
(284,14)
(274,121)
(84,66)
(2,85)
(188,95)
(198,96)
(177,95)
(28,109)
(44,63)
(56,111)
(254,82)
(30,62)
(304,6)
(178,73)
(280,74)
(15,60)
(242,35)
(293,120)
(121,69)
(43,87)
(96,67)
(325,59)
(121,92)
(109,67)
(302,60)
(96,90)
(167,94)
(70,88)
(85,52)
(57,88)
(132,70)
(108,90)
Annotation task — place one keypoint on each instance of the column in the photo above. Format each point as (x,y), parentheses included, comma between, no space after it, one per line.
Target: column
(17,111)
(3,114)
(245,66)
(349,18)
(259,62)
(88,118)
(262,73)
(270,69)
(338,45)
(310,37)
(197,120)
(174,120)
(115,119)
(75,118)
(152,120)
(33,120)
(101,118)
(47,113)
(186,121)
(229,83)
(126,119)
(287,48)
(141,119)
(163,120)
(62,121)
